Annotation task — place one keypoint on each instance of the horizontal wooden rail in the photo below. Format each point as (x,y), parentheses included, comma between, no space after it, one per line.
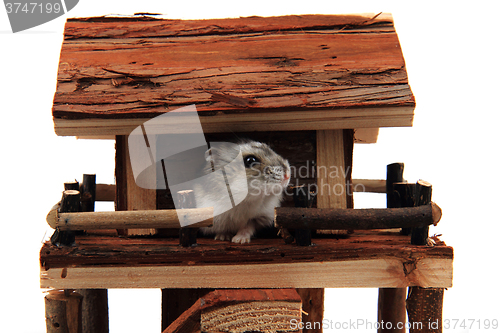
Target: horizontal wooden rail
(106,192)
(369,185)
(357,219)
(168,218)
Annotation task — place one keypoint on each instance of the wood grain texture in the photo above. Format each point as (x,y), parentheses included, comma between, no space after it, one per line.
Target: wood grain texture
(130,196)
(368,259)
(251,310)
(336,71)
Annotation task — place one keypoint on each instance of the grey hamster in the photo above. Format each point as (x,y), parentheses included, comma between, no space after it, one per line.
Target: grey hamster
(253,196)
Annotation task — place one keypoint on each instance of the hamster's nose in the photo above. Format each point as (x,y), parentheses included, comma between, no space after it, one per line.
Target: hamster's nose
(286,176)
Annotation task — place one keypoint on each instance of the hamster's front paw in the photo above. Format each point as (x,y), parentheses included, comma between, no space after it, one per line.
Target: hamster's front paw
(241,239)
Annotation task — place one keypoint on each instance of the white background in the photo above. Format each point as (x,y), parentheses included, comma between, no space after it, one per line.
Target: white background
(451,52)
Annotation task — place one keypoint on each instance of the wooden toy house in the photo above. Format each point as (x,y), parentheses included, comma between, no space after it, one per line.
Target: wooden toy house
(311,86)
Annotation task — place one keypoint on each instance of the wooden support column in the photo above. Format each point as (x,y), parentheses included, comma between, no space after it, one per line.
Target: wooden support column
(63,312)
(187,236)
(302,198)
(95,318)
(130,196)
(424,305)
(332,147)
(392,301)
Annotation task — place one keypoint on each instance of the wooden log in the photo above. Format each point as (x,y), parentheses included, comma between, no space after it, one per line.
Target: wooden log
(357,219)
(94,301)
(394,175)
(70,202)
(251,310)
(63,312)
(302,198)
(424,305)
(425,309)
(74,185)
(95,317)
(187,236)
(348,140)
(404,196)
(391,310)
(391,301)
(244,310)
(88,193)
(130,219)
(420,235)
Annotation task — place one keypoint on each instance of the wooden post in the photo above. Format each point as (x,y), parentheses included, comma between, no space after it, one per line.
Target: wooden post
(74,185)
(129,196)
(88,190)
(331,146)
(95,301)
(305,200)
(419,236)
(187,236)
(63,312)
(176,301)
(70,202)
(424,305)
(425,309)
(391,301)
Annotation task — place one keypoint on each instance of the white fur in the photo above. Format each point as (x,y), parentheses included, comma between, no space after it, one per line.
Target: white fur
(255,211)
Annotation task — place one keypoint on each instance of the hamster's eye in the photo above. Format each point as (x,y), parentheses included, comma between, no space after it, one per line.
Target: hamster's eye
(250,161)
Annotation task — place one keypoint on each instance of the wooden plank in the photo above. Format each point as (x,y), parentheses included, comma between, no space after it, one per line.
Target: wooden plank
(365,135)
(131,197)
(349,65)
(361,135)
(112,251)
(375,273)
(369,185)
(105,27)
(105,262)
(331,170)
(245,122)
(105,192)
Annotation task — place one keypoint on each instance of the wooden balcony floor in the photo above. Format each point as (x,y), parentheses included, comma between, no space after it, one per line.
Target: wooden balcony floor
(363,259)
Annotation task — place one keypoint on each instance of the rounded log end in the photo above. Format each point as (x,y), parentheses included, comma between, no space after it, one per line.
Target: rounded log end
(436,213)
(53,216)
